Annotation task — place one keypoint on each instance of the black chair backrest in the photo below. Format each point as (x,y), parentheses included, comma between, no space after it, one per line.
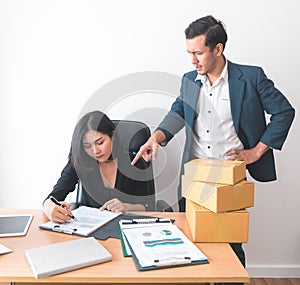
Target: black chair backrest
(133,134)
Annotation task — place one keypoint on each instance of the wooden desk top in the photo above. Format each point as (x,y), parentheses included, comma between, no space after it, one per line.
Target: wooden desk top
(223,265)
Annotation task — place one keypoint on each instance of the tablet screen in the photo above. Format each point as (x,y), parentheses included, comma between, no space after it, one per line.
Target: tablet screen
(14,225)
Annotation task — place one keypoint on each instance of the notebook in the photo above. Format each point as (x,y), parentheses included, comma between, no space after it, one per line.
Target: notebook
(88,220)
(65,256)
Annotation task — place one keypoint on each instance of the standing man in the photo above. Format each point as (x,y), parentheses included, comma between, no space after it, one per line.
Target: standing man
(222,106)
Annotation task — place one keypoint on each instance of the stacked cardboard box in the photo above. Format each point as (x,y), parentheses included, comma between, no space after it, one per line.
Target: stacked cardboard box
(216,195)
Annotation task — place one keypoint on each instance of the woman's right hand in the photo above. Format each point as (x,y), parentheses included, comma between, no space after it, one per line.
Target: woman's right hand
(57,213)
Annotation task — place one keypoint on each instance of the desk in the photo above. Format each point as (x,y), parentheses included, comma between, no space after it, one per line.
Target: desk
(223,265)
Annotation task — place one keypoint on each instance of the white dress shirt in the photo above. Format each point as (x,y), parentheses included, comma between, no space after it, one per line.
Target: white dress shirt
(214,133)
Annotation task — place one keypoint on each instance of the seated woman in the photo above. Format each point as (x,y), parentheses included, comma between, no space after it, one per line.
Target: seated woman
(109,180)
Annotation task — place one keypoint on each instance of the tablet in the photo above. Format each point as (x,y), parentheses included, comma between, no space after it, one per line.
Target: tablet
(14,225)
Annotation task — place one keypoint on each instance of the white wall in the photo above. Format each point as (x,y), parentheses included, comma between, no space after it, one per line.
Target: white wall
(54,55)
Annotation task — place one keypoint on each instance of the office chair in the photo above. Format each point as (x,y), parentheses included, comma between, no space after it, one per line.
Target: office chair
(133,134)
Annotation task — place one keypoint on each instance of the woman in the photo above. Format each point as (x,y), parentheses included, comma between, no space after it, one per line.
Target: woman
(109,180)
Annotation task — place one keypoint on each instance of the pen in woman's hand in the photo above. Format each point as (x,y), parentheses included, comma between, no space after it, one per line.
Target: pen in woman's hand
(53,199)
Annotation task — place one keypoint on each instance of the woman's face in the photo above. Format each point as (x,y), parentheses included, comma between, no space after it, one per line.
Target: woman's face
(97,145)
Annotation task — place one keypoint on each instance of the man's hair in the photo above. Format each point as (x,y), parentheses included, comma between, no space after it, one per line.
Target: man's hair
(213,29)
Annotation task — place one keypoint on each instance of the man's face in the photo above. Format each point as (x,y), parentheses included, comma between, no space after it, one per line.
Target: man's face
(204,60)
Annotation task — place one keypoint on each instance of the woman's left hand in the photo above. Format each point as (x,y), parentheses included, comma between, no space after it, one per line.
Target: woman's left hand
(115,205)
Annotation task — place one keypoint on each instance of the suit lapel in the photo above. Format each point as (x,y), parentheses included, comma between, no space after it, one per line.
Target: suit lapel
(191,100)
(236,93)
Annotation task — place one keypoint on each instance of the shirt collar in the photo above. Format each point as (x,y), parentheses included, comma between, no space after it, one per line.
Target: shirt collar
(224,75)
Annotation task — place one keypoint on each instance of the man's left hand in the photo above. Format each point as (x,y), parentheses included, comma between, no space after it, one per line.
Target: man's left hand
(248,155)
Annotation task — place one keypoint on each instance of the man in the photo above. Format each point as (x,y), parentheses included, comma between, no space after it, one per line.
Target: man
(222,106)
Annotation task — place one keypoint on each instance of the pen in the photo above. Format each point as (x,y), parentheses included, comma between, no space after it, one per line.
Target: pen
(53,199)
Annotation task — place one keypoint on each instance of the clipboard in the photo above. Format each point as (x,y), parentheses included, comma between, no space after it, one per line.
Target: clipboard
(125,247)
(158,244)
(88,220)
(108,230)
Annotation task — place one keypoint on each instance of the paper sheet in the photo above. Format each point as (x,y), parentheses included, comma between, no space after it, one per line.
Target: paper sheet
(87,220)
(162,245)
(4,249)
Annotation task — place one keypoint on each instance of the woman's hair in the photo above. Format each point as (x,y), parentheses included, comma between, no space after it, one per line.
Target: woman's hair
(213,29)
(92,121)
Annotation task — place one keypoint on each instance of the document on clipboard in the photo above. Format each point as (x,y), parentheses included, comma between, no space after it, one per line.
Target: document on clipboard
(88,220)
(157,243)
(137,222)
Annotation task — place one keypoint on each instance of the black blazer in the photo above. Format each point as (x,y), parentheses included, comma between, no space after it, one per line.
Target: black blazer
(134,184)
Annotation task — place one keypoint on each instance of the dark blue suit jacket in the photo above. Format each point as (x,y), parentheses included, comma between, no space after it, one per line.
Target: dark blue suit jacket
(251,95)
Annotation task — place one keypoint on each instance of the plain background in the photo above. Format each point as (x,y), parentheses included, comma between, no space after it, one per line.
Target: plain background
(54,55)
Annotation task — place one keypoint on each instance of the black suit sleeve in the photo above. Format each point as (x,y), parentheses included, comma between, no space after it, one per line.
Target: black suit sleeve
(65,184)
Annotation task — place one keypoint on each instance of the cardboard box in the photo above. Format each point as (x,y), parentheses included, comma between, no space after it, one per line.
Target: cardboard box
(206,226)
(219,197)
(215,171)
